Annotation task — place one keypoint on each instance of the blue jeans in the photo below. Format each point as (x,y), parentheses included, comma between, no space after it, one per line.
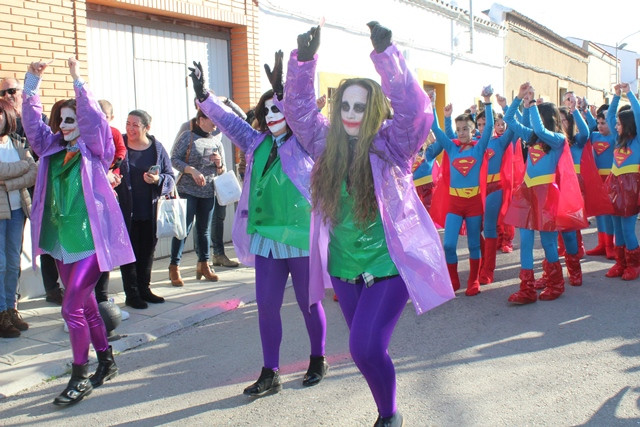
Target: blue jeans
(10,246)
(202,210)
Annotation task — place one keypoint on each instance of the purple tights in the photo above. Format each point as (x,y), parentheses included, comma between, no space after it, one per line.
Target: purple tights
(371,315)
(271,278)
(80,309)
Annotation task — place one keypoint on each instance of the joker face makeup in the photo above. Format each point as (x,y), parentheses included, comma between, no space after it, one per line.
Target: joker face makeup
(69,124)
(275,119)
(354,103)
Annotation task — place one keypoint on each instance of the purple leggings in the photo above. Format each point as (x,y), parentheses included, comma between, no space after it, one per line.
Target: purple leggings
(371,315)
(271,278)
(80,309)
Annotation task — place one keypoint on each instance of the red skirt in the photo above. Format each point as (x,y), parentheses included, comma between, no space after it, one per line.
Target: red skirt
(623,192)
(534,208)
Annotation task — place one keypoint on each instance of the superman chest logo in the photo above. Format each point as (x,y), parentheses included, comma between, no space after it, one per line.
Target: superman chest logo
(536,153)
(600,147)
(620,155)
(490,153)
(464,165)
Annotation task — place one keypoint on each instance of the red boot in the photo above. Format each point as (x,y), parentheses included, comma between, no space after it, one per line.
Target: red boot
(526,294)
(609,246)
(555,282)
(541,283)
(633,264)
(507,238)
(473,285)
(621,263)
(600,248)
(453,274)
(574,269)
(488,260)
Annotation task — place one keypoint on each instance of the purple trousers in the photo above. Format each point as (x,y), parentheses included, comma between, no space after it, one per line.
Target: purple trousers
(371,314)
(80,309)
(271,278)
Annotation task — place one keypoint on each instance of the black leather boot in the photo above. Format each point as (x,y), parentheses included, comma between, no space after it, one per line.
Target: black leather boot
(79,386)
(318,367)
(394,420)
(148,296)
(106,369)
(269,382)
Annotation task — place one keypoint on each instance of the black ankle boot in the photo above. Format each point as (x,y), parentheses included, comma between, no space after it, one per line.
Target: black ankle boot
(317,370)
(269,382)
(134,301)
(106,369)
(79,386)
(394,420)
(148,296)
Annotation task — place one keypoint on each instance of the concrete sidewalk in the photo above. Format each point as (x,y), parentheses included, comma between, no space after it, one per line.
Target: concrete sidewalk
(44,352)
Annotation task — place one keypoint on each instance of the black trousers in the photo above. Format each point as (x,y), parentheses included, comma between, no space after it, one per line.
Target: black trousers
(137,275)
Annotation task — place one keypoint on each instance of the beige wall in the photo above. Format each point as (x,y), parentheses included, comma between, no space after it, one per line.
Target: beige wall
(539,59)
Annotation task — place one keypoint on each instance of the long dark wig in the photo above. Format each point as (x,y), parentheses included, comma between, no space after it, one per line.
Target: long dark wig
(551,120)
(338,164)
(628,125)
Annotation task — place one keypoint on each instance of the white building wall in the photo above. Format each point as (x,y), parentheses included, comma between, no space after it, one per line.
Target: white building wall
(428,33)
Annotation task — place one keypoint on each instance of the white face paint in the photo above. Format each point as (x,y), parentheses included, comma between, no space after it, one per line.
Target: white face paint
(69,124)
(274,118)
(352,108)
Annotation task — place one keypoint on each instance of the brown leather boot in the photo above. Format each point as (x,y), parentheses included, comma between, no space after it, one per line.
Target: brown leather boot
(7,330)
(174,275)
(16,320)
(224,261)
(203,269)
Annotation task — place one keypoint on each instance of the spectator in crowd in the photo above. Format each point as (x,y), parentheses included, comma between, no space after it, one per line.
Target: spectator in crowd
(17,173)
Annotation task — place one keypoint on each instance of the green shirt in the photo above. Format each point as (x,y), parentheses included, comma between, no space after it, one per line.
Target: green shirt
(354,251)
(65,221)
(277,210)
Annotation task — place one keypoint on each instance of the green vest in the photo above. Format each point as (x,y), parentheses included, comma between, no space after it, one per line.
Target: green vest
(65,219)
(277,210)
(353,251)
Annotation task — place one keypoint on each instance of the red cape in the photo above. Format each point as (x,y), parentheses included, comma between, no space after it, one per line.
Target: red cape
(596,199)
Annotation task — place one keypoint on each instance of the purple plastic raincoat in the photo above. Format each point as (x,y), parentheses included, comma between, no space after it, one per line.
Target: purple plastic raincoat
(110,237)
(296,164)
(413,242)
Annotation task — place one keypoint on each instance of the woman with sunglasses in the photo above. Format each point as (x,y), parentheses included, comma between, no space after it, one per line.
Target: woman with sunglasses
(271,227)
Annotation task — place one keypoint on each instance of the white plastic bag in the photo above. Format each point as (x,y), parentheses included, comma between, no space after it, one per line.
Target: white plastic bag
(172,218)
(228,188)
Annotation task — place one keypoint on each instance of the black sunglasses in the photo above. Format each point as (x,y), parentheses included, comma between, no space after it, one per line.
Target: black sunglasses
(11,91)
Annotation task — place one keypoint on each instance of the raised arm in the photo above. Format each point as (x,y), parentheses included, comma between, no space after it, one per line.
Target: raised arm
(635,106)
(412,109)
(612,112)
(487,132)
(92,123)
(554,139)
(236,129)
(521,131)
(38,133)
(448,121)
(308,125)
(583,129)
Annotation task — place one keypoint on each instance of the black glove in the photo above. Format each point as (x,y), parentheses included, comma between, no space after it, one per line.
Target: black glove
(275,76)
(308,44)
(197,77)
(380,36)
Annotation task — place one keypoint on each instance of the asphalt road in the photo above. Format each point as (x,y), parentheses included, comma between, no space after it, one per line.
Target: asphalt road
(475,361)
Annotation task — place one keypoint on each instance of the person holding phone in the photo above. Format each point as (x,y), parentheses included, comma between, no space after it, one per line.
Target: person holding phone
(146,176)
(198,155)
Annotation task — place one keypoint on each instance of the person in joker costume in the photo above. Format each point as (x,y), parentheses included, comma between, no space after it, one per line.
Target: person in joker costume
(369,227)
(271,226)
(75,218)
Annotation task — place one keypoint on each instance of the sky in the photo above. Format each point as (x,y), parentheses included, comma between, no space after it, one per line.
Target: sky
(578,18)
